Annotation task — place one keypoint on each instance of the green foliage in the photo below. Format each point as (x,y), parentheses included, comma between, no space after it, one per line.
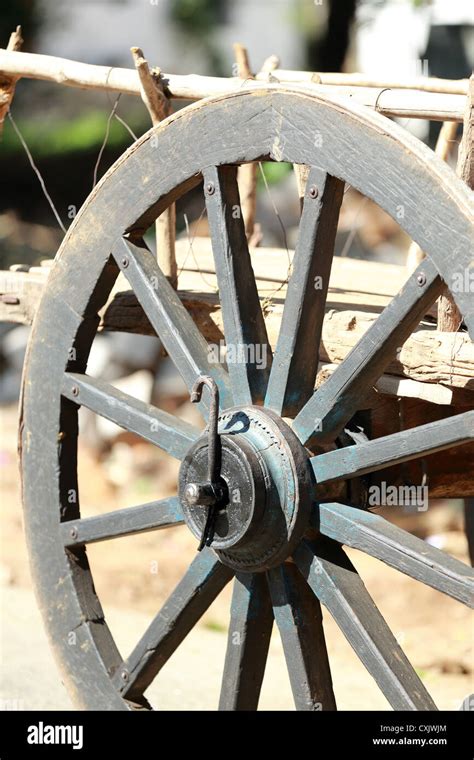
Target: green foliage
(197,20)
(57,137)
(274,173)
(196,17)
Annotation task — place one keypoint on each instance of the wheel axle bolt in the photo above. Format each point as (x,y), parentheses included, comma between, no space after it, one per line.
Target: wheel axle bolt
(73,532)
(200,494)
(210,188)
(125,262)
(313,191)
(421,279)
(75,390)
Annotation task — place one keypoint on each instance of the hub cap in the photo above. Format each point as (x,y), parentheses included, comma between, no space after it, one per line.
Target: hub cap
(267,488)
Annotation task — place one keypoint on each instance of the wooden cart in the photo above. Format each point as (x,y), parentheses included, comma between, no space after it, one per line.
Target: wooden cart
(303,408)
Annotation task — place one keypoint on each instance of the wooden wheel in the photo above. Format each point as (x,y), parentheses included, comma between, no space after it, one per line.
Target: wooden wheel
(282,546)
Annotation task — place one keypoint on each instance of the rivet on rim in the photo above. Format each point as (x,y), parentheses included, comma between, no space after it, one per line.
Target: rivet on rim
(421,279)
(313,191)
(210,188)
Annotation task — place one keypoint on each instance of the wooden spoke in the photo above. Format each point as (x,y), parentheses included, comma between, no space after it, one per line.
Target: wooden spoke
(249,354)
(298,615)
(169,433)
(169,318)
(412,556)
(204,580)
(332,405)
(155,515)
(295,363)
(247,644)
(396,448)
(336,583)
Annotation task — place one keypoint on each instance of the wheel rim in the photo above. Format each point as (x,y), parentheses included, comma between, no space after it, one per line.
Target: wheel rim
(393,170)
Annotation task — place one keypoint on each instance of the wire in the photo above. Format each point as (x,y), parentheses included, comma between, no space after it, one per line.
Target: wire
(36,171)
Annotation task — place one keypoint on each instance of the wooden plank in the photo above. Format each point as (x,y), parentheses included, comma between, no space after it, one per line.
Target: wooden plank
(204,580)
(400,387)
(332,405)
(379,538)
(161,428)
(293,374)
(177,331)
(250,628)
(356,460)
(427,355)
(353,283)
(337,585)
(249,355)
(156,515)
(300,622)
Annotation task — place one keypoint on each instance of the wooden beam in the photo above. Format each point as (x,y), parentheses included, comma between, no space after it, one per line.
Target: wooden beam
(427,357)
(414,103)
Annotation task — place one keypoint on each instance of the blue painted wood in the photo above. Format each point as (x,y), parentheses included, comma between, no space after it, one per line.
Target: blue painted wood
(337,585)
(173,324)
(352,461)
(164,430)
(343,393)
(155,515)
(376,536)
(250,628)
(203,581)
(300,622)
(295,364)
(249,354)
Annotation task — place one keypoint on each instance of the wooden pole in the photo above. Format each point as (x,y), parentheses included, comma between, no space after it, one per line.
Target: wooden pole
(8,82)
(426,84)
(449,316)
(443,147)
(413,104)
(159,108)
(247,173)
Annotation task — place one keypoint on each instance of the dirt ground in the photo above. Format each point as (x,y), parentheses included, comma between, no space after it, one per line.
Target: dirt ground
(133,576)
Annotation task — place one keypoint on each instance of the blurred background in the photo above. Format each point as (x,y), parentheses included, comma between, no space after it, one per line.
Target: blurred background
(73,141)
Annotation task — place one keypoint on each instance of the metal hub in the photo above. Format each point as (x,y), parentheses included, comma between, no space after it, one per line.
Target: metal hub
(265,494)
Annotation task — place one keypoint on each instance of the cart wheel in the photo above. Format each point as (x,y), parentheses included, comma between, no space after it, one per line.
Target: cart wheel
(281,546)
